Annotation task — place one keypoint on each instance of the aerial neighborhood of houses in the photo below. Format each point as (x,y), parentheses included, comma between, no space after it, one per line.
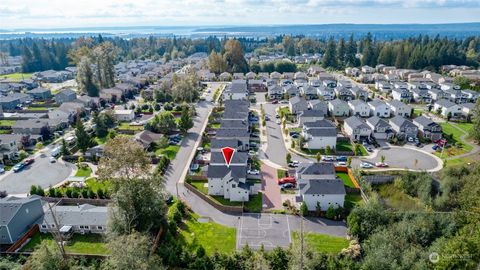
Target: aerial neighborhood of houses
(297,137)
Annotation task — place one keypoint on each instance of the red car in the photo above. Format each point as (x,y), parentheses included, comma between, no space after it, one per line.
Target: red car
(28,161)
(274,101)
(287,179)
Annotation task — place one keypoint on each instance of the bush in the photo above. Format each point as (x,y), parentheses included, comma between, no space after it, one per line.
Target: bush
(157,107)
(58,193)
(181,207)
(100,193)
(304,209)
(75,193)
(33,190)
(91,194)
(330,212)
(167,106)
(40,191)
(85,193)
(69,193)
(51,192)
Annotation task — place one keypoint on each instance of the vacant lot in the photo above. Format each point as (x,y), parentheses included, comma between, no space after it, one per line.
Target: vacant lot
(397,199)
(322,243)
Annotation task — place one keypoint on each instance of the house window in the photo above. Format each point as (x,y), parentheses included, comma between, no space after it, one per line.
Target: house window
(100,227)
(44,226)
(234,185)
(81,226)
(52,226)
(87,227)
(3,237)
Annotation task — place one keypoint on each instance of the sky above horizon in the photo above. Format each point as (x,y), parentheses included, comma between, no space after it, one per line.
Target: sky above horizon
(15,14)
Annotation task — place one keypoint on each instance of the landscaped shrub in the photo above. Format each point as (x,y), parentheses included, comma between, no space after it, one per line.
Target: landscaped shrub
(75,193)
(68,193)
(58,193)
(51,192)
(85,192)
(100,193)
(91,194)
(330,212)
(33,190)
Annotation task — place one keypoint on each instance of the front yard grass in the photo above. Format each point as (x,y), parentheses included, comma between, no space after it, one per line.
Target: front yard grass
(346,179)
(17,76)
(363,151)
(170,152)
(253,205)
(127,126)
(344,146)
(211,236)
(200,185)
(84,172)
(453,133)
(82,244)
(322,242)
(7,123)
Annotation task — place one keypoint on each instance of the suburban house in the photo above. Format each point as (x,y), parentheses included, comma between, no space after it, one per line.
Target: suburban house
(17,215)
(9,145)
(30,126)
(291,90)
(318,105)
(399,108)
(359,93)
(229,182)
(297,105)
(447,108)
(309,92)
(111,94)
(456,96)
(428,129)
(437,94)
(236,90)
(66,95)
(147,138)
(255,85)
(402,94)
(319,134)
(67,112)
(238,76)
(384,87)
(275,92)
(40,93)
(338,107)
(242,135)
(217,144)
(225,76)
(471,95)
(467,109)
(379,108)
(343,93)
(420,94)
(319,186)
(359,108)
(9,102)
(403,127)
(381,129)
(356,129)
(82,218)
(234,124)
(310,116)
(326,93)
(124,115)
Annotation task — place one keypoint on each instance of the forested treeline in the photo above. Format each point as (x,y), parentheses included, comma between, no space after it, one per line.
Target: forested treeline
(422,52)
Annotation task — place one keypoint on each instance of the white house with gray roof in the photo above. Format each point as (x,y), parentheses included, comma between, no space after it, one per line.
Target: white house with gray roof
(399,108)
(359,108)
(356,129)
(428,129)
(447,108)
(338,107)
(319,134)
(403,127)
(379,108)
(381,129)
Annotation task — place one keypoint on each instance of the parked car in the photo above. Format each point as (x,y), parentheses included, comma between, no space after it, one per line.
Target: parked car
(28,161)
(288,179)
(278,122)
(267,118)
(295,135)
(253,172)
(53,160)
(369,149)
(277,116)
(341,158)
(327,158)
(381,164)
(293,164)
(18,167)
(341,164)
(435,147)
(274,101)
(2,169)
(366,165)
(287,185)
(284,102)
(252,153)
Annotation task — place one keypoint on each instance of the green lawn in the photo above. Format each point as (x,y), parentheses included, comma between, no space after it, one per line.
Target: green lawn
(7,123)
(5,131)
(344,146)
(254,205)
(101,141)
(200,185)
(284,110)
(322,243)
(42,108)
(171,151)
(346,179)
(17,76)
(215,125)
(83,244)
(449,129)
(95,184)
(84,172)
(281,173)
(397,199)
(363,151)
(127,126)
(212,236)
(352,200)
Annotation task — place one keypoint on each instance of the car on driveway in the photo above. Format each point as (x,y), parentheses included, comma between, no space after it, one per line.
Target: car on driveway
(278,122)
(327,158)
(381,164)
(18,167)
(341,164)
(284,102)
(295,135)
(369,149)
(274,101)
(287,185)
(253,172)
(293,164)
(53,160)
(341,158)
(288,179)
(366,165)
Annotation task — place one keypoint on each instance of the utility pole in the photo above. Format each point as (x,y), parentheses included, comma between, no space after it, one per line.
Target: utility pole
(57,234)
(301,244)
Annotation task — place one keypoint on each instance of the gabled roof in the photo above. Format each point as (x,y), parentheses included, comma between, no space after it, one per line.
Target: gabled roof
(233,124)
(297,100)
(445,103)
(338,102)
(355,122)
(238,157)
(220,171)
(324,123)
(424,121)
(402,122)
(220,143)
(312,113)
(357,102)
(377,122)
(232,133)
(318,168)
(376,103)
(397,104)
(85,214)
(323,132)
(323,186)
(9,207)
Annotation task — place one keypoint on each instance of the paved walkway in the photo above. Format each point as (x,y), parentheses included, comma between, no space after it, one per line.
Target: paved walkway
(272,198)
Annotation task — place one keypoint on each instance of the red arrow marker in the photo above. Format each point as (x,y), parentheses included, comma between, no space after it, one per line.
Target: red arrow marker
(228,155)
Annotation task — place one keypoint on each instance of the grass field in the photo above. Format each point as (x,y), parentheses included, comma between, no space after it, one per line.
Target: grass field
(127,126)
(171,151)
(200,185)
(346,179)
(84,172)
(254,205)
(7,123)
(212,236)
(449,129)
(17,76)
(101,141)
(281,173)
(83,244)
(322,243)
(397,199)
(344,146)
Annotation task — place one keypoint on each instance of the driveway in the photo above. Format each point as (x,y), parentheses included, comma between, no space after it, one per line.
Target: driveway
(41,172)
(404,158)
(272,198)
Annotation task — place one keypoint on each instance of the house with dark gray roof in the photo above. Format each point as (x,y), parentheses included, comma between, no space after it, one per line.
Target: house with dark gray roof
(447,108)
(428,129)
(17,215)
(359,107)
(319,134)
(310,116)
(381,129)
(40,93)
(297,104)
(399,108)
(237,90)
(228,182)
(318,105)
(403,127)
(343,93)
(66,95)
(234,124)
(379,108)
(356,129)
(238,159)
(275,91)
(217,144)
(338,107)
(307,171)
(359,93)
(309,92)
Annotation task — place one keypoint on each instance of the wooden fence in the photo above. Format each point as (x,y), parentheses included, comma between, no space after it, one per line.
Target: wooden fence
(31,232)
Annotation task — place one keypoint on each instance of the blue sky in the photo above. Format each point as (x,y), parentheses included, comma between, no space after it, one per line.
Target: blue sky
(88,13)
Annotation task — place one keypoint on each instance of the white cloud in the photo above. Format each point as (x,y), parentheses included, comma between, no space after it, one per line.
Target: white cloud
(69,13)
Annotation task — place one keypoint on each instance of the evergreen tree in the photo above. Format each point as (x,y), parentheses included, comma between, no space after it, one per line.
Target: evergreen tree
(85,78)
(83,139)
(341,52)
(351,51)
(329,58)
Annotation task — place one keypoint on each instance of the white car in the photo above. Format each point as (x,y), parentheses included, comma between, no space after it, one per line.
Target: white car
(253,172)
(366,165)
(341,164)
(252,153)
(294,163)
(53,160)
(278,122)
